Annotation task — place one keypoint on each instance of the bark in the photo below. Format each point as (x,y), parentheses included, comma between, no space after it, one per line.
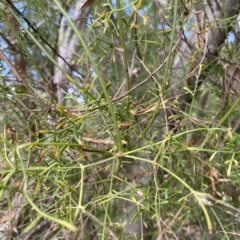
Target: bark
(208,29)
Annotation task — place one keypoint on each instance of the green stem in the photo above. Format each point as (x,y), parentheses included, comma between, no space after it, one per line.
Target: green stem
(229,112)
(95,67)
(107,207)
(166,73)
(123,46)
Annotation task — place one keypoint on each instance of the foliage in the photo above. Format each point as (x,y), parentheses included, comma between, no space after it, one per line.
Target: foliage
(101,162)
